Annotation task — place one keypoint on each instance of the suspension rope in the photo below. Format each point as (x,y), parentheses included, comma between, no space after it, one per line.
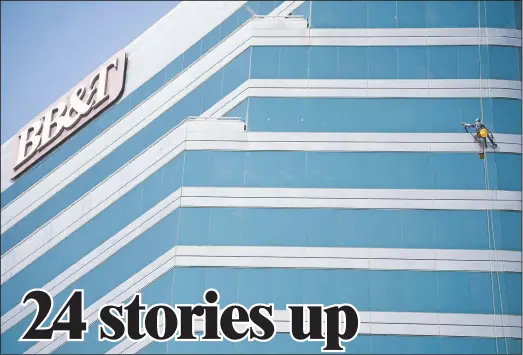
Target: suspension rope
(493,250)
(485,173)
(490,222)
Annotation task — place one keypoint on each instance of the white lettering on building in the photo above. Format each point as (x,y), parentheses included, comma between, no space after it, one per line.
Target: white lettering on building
(88,99)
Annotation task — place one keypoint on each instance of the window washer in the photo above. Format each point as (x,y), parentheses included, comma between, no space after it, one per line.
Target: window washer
(482,132)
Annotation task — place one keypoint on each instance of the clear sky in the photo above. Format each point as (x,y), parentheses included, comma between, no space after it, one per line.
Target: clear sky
(47,47)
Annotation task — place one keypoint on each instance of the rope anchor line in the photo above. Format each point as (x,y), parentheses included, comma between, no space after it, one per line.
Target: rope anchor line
(490,223)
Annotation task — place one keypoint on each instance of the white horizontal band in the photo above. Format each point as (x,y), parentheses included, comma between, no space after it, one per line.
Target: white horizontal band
(469,147)
(343,137)
(338,88)
(171,259)
(273,202)
(390,323)
(345,39)
(283,326)
(318,193)
(417,32)
(420,84)
(369,41)
(349,253)
(380,37)
(345,263)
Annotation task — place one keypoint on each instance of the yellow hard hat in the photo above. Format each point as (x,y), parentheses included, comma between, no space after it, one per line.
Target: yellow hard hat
(483,133)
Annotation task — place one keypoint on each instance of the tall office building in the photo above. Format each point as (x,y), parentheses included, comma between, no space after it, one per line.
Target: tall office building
(282,152)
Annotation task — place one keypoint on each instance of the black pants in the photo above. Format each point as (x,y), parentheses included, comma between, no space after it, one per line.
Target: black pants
(490,138)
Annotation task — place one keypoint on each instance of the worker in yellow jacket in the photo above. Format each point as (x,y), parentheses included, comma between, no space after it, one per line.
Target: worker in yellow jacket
(482,132)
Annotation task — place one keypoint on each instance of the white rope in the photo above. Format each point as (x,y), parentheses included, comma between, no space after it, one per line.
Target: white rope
(490,222)
(484,150)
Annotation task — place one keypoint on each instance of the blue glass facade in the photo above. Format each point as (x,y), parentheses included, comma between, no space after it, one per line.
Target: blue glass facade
(468,232)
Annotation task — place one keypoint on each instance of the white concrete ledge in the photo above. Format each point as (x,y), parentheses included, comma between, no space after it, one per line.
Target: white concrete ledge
(366,327)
